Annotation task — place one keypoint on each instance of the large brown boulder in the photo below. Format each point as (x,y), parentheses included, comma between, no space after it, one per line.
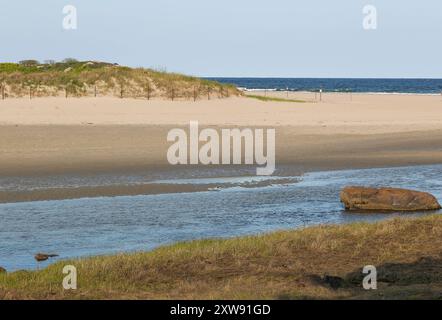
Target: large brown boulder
(387,199)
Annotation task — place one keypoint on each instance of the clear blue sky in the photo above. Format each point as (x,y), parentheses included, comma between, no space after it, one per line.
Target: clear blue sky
(281,38)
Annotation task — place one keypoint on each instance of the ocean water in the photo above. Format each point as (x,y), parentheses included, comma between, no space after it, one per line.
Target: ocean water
(420,86)
(96,226)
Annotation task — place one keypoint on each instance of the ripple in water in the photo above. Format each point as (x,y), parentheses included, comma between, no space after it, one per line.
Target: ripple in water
(83,227)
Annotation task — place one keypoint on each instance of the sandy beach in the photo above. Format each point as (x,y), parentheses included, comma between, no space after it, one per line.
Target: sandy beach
(336,113)
(85,135)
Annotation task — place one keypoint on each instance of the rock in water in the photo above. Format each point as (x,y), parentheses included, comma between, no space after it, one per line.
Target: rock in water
(387,199)
(43,256)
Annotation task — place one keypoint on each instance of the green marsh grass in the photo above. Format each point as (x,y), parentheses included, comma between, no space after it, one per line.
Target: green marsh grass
(273,99)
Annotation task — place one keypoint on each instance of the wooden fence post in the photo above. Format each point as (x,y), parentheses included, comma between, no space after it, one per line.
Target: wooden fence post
(195,95)
(148,91)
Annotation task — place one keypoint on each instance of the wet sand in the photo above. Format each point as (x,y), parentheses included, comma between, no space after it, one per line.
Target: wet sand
(41,150)
(34,151)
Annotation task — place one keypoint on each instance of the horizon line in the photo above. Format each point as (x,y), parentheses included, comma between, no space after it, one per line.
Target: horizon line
(352,78)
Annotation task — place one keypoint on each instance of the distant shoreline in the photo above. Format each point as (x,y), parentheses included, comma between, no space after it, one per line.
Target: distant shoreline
(337,85)
(341,92)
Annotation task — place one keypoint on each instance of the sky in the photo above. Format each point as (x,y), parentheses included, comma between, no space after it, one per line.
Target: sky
(233,38)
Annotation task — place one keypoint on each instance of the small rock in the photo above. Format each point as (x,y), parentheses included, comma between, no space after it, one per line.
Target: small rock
(44,256)
(331,281)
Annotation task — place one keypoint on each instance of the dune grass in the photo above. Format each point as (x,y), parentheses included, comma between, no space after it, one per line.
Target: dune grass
(280,265)
(86,78)
(273,99)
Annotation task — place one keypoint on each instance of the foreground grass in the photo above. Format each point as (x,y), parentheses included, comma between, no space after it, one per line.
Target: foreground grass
(273,99)
(280,265)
